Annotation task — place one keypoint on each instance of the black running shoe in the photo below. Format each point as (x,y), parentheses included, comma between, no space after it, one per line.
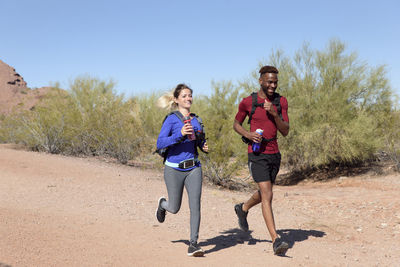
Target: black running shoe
(160,212)
(280,247)
(195,250)
(242,216)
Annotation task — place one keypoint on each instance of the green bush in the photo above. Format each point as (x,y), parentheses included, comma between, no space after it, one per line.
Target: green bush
(391,136)
(151,117)
(104,123)
(88,119)
(336,105)
(38,129)
(341,112)
(226,150)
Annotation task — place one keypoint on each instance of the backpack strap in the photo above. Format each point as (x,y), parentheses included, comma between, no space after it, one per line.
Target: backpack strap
(255,104)
(201,135)
(177,113)
(198,119)
(277,103)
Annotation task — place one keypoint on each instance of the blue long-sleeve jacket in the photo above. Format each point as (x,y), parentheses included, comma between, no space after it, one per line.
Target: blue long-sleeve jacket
(171,136)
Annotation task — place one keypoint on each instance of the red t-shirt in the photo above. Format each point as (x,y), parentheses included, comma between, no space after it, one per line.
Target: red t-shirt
(260,120)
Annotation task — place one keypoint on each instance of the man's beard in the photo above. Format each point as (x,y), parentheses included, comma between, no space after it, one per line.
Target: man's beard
(265,90)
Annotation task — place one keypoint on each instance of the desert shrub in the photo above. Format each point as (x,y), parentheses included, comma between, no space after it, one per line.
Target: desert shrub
(151,118)
(39,129)
(9,129)
(3,129)
(105,123)
(336,106)
(227,150)
(88,119)
(391,136)
(104,120)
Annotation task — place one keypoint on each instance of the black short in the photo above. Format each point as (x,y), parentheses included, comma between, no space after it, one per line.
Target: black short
(264,167)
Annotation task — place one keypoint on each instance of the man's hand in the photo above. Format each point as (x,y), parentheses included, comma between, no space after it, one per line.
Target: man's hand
(268,106)
(282,125)
(254,137)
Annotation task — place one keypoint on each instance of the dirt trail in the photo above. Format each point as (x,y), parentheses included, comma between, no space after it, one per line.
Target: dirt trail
(65,211)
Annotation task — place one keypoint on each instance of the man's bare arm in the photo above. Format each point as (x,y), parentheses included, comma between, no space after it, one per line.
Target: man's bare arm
(282,125)
(253,136)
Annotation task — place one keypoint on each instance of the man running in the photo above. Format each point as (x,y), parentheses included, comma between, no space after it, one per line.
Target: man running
(267,111)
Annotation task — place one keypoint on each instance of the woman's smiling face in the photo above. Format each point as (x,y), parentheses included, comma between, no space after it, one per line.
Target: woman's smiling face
(184,99)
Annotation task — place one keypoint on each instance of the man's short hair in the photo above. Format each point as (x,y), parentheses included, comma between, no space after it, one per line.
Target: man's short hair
(268,69)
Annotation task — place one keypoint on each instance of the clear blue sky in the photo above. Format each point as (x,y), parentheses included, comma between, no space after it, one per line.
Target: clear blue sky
(154,45)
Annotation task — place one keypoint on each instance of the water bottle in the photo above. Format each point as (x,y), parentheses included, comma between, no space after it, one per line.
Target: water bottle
(256,146)
(191,136)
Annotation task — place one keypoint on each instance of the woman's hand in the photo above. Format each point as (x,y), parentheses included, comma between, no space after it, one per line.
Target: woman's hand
(187,129)
(205,147)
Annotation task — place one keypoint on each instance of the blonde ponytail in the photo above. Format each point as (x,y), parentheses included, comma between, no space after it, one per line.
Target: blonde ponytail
(167,102)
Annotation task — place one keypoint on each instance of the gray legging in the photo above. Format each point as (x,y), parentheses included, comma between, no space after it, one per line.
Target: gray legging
(192,180)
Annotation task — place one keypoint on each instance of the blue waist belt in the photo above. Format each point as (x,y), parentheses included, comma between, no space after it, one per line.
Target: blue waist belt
(186,164)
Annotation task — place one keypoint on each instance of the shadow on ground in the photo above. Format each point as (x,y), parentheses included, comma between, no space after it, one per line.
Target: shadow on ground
(232,237)
(227,239)
(292,236)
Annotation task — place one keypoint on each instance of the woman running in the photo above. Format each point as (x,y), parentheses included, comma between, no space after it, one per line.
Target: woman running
(181,133)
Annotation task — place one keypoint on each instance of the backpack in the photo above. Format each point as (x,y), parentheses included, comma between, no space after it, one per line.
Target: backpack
(200,136)
(276,101)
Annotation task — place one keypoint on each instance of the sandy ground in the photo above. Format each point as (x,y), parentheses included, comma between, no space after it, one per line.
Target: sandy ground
(65,211)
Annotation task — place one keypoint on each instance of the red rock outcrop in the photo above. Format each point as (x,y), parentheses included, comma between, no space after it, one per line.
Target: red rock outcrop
(14,92)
